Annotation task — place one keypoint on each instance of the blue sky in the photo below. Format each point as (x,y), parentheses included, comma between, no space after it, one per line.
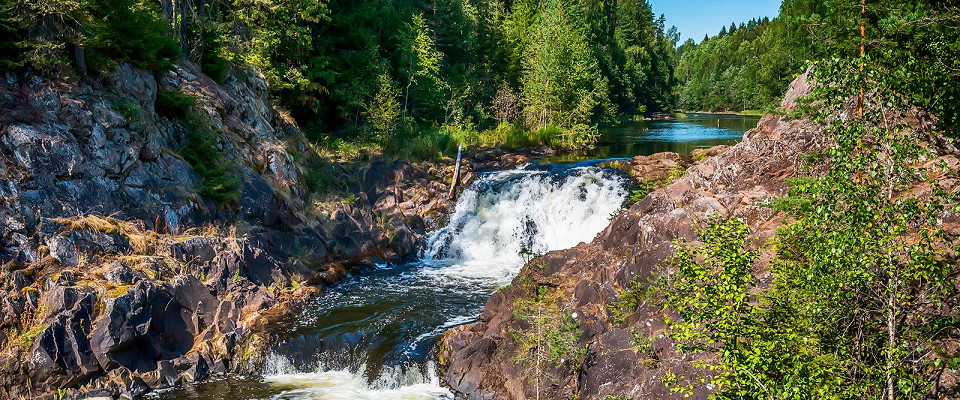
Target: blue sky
(694,18)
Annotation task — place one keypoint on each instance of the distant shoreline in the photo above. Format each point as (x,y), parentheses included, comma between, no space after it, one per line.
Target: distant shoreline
(745,113)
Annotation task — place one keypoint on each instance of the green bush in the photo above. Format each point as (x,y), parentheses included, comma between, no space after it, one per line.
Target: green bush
(13,35)
(551,335)
(132,31)
(212,61)
(174,104)
(644,187)
(200,150)
(129,109)
(627,302)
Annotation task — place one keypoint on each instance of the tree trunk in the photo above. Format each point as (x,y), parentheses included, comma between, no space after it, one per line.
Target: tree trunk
(182,33)
(166,8)
(891,338)
(79,56)
(406,94)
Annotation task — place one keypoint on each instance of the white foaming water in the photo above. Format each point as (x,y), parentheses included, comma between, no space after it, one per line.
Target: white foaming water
(503,213)
(323,384)
(496,217)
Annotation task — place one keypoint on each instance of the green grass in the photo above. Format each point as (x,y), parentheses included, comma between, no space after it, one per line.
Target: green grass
(129,109)
(26,339)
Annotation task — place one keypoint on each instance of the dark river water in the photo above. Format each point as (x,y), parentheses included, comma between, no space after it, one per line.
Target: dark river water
(373,336)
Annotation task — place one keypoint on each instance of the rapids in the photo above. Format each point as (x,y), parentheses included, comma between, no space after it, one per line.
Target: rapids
(371,337)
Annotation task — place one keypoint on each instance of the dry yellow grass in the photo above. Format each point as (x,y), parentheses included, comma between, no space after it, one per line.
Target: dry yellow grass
(287,116)
(141,240)
(117,291)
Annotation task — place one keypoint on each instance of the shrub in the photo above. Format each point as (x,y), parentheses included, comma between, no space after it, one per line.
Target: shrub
(13,36)
(174,104)
(551,340)
(26,340)
(200,150)
(644,187)
(318,177)
(129,109)
(127,31)
(577,136)
(212,61)
(627,302)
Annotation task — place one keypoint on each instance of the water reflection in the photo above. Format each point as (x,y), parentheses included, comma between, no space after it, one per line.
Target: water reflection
(682,135)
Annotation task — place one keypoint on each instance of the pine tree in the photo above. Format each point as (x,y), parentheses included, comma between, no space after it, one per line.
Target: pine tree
(561,83)
(420,66)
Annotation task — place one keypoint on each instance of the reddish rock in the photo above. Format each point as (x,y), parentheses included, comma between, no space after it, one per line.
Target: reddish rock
(724,182)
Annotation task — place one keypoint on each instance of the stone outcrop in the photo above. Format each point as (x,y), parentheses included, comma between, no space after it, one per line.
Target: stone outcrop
(117,276)
(482,360)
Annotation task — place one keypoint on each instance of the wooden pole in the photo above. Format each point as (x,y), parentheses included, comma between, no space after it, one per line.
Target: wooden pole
(456,175)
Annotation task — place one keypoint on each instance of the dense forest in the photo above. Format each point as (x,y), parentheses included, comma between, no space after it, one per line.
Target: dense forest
(391,73)
(748,66)
(416,76)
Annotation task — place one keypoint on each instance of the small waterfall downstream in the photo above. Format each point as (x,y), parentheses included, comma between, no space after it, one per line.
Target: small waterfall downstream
(371,337)
(506,213)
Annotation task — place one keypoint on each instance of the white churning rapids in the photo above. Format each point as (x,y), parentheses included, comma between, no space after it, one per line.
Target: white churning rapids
(496,217)
(505,212)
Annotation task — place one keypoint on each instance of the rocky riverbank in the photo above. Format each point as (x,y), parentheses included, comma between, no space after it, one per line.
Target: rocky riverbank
(119,276)
(598,353)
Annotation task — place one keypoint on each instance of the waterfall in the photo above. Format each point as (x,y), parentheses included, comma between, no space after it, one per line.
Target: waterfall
(393,382)
(504,213)
(370,337)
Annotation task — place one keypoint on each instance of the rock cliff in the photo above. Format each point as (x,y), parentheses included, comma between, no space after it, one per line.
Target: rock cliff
(117,276)
(489,359)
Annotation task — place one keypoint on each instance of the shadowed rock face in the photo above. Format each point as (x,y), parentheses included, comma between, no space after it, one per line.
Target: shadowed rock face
(480,359)
(108,286)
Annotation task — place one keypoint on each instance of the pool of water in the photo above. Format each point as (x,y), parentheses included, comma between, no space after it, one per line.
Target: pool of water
(372,336)
(681,135)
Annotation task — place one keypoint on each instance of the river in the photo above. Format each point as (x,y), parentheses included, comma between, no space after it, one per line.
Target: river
(372,337)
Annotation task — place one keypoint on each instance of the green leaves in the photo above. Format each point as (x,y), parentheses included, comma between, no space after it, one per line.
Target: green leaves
(561,83)
(709,286)
(420,63)
(858,268)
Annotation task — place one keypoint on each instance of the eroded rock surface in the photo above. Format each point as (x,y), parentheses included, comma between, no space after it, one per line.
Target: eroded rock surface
(632,359)
(118,277)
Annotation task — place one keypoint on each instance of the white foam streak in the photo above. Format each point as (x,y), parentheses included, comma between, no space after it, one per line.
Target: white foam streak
(393,383)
